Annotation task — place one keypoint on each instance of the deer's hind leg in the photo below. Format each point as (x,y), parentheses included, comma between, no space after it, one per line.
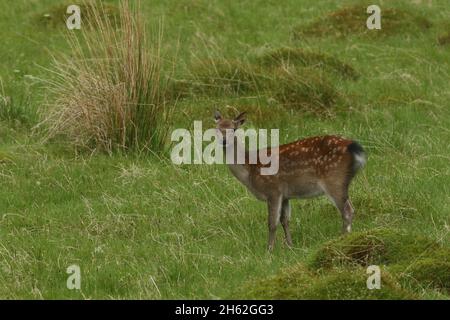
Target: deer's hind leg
(338,194)
(347,216)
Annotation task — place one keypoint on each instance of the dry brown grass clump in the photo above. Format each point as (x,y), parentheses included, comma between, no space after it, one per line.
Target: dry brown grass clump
(109,93)
(352,20)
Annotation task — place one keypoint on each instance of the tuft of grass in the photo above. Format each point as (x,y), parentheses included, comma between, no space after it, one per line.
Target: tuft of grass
(307,58)
(57,15)
(16,110)
(352,20)
(109,93)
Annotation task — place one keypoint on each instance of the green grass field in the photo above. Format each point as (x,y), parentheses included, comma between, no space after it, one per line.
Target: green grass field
(140,227)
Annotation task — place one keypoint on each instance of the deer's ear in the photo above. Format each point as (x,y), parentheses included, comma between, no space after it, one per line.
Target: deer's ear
(240,119)
(217,116)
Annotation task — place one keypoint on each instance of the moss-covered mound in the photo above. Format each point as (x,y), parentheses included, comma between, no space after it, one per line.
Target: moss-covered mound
(300,283)
(352,20)
(289,86)
(430,270)
(56,16)
(378,246)
(301,89)
(444,39)
(410,265)
(291,77)
(352,284)
(430,273)
(307,58)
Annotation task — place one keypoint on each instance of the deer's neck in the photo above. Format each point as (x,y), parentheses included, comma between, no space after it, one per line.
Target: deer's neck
(240,171)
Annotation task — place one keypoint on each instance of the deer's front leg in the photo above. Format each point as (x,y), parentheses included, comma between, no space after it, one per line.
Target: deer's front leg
(274,206)
(285,216)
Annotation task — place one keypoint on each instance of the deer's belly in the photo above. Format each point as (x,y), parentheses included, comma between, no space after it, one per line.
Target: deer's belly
(263,189)
(259,194)
(303,190)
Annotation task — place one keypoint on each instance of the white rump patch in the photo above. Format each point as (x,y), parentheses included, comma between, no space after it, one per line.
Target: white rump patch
(360,159)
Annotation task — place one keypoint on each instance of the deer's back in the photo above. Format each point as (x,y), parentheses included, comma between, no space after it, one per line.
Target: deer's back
(306,165)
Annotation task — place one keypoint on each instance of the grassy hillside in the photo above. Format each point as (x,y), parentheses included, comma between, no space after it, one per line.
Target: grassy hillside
(140,227)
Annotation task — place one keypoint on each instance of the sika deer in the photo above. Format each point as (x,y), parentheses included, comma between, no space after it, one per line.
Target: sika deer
(307,168)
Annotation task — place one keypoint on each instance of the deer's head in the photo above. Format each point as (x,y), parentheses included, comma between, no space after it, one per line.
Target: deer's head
(226,127)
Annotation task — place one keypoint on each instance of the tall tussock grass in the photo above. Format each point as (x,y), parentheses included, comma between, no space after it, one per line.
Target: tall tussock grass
(108,94)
